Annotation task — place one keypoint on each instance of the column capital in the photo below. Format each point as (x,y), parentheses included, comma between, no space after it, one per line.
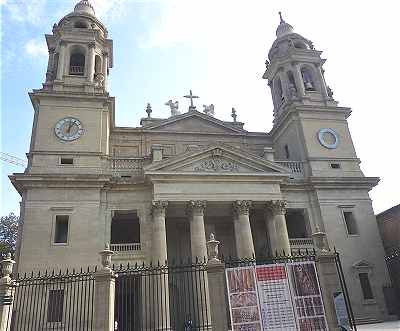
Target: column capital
(158,207)
(277,207)
(241,207)
(196,207)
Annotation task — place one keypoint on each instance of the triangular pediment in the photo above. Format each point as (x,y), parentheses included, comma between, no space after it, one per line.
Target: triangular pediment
(219,159)
(194,121)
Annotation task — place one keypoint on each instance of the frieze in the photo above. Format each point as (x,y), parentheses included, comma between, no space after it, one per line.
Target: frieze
(217,164)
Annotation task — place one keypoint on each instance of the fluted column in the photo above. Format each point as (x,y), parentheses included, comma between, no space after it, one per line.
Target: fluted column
(244,239)
(159,242)
(271,230)
(90,62)
(198,243)
(61,61)
(277,210)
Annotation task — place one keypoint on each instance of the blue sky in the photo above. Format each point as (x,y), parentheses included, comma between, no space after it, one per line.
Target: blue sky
(217,48)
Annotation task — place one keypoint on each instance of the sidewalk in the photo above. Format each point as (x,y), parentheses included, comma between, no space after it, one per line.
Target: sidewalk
(387,326)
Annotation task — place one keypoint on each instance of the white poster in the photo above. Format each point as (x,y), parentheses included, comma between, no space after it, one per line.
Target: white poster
(275,299)
(307,298)
(243,299)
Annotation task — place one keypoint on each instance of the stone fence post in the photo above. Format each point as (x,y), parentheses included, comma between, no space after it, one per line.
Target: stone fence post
(328,277)
(6,293)
(217,288)
(104,293)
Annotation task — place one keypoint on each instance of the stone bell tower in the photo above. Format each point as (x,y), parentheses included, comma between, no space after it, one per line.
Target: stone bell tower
(80,54)
(73,110)
(308,123)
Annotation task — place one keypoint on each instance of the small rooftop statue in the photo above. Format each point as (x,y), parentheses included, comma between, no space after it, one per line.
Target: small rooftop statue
(174,107)
(209,110)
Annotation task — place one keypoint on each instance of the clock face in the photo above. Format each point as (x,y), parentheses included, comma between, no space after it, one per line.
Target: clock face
(68,129)
(328,138)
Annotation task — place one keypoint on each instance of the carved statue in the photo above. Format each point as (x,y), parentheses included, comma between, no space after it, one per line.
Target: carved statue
(209,110)
(174,107)
(292,91)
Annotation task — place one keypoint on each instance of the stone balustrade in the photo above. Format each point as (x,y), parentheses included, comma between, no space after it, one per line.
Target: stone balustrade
(120,248)
(301,243)
(295,167)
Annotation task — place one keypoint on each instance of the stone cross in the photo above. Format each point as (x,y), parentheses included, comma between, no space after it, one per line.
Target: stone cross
(148,110)
(191,97)
(234,116)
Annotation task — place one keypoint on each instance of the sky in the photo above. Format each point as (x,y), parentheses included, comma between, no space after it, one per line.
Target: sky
(162,49)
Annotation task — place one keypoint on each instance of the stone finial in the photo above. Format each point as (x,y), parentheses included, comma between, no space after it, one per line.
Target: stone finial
(148,110)
(320,240)
(106,256)
(212,249)
(7,266)
(234,115)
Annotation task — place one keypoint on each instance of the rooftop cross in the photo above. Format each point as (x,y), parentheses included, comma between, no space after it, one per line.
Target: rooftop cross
(191,97)
(280,16)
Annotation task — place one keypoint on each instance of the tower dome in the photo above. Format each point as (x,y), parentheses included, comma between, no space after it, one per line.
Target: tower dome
(84,6)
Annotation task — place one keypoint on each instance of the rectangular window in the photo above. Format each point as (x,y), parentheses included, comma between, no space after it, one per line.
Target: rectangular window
(335,165)
(350,221)
(55,306)
(61,229)
(365,286)
(67,161)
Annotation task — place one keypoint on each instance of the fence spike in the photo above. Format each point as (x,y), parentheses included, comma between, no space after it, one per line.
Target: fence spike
(136,265)
(128,265)
(313,250)
(95,268)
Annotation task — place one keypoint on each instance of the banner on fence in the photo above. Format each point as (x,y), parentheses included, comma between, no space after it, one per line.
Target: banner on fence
(286,296)
(243,299)
(341,311)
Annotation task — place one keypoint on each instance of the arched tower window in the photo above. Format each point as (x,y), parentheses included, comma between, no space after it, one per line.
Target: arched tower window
(80,25)
(77,62)
(308,81)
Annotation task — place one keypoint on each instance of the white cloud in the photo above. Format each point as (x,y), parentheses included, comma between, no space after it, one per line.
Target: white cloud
(36,48)
(30,11)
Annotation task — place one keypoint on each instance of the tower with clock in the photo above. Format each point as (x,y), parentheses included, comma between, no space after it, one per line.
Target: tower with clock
(156,192)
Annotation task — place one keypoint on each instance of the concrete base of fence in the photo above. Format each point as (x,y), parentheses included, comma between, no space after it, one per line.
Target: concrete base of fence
(5,307)
(330,283)
(104,300)
(218,300)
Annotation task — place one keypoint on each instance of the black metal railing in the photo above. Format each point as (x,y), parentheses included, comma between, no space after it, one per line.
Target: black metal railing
(162,297)
(53,301)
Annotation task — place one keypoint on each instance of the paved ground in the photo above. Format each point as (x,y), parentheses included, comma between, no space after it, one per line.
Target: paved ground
(387,326)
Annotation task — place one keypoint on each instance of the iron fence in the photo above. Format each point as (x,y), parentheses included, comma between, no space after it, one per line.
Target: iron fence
(53,301)
(162,297)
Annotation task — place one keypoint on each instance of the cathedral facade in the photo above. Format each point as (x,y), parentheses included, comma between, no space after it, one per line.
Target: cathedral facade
(156,192)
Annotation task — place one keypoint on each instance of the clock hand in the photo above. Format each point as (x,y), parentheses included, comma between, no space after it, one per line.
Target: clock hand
(69,127)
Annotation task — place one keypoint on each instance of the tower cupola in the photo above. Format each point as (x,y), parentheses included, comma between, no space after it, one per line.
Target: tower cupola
(80,55)
(294,71)
(84,6)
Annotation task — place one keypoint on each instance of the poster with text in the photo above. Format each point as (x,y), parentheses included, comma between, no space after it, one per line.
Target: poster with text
(341,311)
(276,306)
(307,298)
(243,299)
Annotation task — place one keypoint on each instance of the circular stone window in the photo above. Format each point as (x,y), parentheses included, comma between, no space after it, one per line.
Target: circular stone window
(328,138)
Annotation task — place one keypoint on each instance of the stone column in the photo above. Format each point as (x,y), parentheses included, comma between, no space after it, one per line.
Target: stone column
(322,82)
(159,240)
(299,80)
(198,245)
(61,61)
(244,239)
(104,293)
(105,69)
(90,62)
(195,212)
(160,298)
(270,224)
(6,294)
(50,66)
(278,209)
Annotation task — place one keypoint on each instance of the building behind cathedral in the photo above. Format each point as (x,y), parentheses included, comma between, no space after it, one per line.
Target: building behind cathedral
(156,192)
